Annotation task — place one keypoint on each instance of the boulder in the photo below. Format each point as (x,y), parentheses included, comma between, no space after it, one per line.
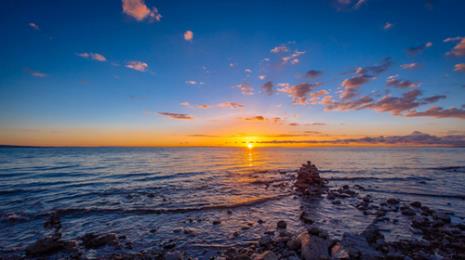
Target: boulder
(94,241)
(314,247)
(267,255)
(44,247)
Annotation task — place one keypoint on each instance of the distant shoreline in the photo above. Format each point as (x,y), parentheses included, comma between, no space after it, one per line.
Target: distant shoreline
(241,147)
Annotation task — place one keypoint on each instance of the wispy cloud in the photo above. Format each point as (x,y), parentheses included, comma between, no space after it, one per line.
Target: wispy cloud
(139,10)
(188,35)
(194,82)
(36,73)
(230,105)
(260,118)
(294,58)
(313,74)
(415,138)
(176,115)
(459,48)
(351,86)
(459,67)
(245,89)
(394,81)
(388,26)
(409,66)
(298,93)
(268,88)
(420,48)
(439,112)
(93,56)
(279,49)
(343,5)
(34,26)
(137,65)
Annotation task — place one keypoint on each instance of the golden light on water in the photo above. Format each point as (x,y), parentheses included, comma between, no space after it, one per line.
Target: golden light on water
(250,145)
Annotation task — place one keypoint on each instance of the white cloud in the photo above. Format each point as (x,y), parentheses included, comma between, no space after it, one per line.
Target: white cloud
(34,26)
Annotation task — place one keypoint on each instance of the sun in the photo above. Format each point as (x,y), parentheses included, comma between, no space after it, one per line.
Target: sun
(250,145)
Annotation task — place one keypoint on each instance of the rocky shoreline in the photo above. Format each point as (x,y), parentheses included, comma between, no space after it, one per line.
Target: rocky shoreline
(437,235)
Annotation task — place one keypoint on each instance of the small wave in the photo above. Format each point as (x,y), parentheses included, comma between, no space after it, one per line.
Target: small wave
(43,168)
(145,211)
(411,178)
(445,196)
(449,168)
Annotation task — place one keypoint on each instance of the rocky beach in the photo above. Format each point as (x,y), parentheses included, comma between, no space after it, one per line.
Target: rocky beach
(427,233)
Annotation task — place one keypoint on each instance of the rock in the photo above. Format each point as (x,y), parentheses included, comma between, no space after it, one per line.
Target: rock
(190,231)
(94,241)
(260,221)
(309,180)
(314,231)
(267,255)
(416,204)
(407,211)
(372,234)
(281,224)
(44,247)
(392,201)
(313,247)
(358,247)
(338,251)
(174,255)
(216,222)
(265,241)
(53,221)
(305,218)
(294,243)
(336,202)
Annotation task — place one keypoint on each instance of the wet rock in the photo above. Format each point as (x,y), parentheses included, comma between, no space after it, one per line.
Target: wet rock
(407,211)
(392,201)
(94,241)
(314,231)
(44,247)
(294,243)
(216,222)
(281,224)
(174,255)
(190,231)
(305,218)
(337,251)
(336,202)
(260,221)
(267,255)
(313,247)
(357,247)
(53,221)
(265,241)
(416,204)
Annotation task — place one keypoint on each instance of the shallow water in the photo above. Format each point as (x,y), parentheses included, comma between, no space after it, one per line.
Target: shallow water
(152,194)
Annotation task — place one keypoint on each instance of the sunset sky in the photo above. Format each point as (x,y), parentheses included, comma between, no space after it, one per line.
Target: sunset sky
(224,73)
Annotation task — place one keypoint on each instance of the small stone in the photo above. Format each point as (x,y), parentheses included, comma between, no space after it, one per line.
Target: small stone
(267,255)
(94,241)
(336,202)
(260,221)
(416,204)
(174,255)
(216,222)
(281,224)
(392,201)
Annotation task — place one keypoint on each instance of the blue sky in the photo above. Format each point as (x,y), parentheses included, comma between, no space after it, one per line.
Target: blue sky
(65,66)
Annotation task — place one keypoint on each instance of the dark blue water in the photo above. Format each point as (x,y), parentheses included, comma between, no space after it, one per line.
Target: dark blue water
(152,194)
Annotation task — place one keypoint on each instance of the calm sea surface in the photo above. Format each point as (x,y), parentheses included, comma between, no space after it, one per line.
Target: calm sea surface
(151,195)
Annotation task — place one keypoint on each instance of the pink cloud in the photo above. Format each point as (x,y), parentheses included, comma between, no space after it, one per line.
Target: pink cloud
(137,65)
(93,56)
(459,67)
(268,88)
(245,89)
(279,49)
(393,81)
(351,86)
(388,26)
(440,112)
(188,36)
(139,10)
(230,105)
(176,115)
(459,48)
(420,48)
(299,93)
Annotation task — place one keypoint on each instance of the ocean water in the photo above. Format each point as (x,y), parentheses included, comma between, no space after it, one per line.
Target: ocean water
(153,195)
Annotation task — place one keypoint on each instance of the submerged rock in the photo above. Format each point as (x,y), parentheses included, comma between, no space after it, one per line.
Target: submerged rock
(44,247)
(93,241)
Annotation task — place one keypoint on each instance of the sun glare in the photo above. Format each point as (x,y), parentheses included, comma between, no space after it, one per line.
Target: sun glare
(250,145)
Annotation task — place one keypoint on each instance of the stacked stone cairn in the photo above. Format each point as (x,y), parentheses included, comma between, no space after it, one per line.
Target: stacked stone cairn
(309,181)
